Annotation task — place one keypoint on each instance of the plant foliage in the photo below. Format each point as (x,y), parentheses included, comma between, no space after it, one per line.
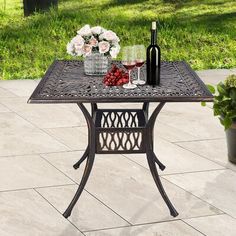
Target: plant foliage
(225,101)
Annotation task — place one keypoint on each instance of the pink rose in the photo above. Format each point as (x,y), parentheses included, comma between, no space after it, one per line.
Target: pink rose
(85,31)
(104,46)
(78,41)
(97,30)
(87,49)
(109,36)
(93,42)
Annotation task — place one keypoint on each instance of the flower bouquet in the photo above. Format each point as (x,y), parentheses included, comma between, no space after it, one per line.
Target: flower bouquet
(97,45)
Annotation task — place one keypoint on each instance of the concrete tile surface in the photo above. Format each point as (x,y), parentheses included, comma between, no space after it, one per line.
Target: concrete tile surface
(22,172)
(215,187)
(73,137)
(21,88)
(176,228)
(129,189)
(214,76)
(192,119)
(3,108)
(214,225)
(19,137)
(4,93)
(46,115)
(88,214)
(26,213)
(176,159)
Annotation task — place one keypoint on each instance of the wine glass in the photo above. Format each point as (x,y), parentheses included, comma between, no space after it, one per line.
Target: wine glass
(140,57)
(128,61)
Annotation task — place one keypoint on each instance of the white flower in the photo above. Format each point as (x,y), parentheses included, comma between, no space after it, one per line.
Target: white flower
(86,49)
(109,36)
(104,46)
(93,42)
(114,51)
(85,31)
(70,49)
(97,30)
(78,51)
(78,41)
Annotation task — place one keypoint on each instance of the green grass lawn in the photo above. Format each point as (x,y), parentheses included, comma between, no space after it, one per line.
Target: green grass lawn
(202,32)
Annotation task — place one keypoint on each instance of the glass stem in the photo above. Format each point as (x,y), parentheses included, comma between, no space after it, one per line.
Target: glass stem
(138,73)
(129,76)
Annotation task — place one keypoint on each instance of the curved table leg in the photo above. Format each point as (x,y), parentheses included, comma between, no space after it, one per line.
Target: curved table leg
(157,180)
(86,152)
(90,159)
(85,155)
(150,126)
(152,159)
(155,159)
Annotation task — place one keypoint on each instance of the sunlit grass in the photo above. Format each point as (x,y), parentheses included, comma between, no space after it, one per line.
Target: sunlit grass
(202,32)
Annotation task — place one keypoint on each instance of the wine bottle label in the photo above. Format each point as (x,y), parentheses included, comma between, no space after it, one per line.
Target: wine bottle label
(154,25)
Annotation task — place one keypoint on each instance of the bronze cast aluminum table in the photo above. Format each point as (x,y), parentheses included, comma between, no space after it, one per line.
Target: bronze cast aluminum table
(119,130)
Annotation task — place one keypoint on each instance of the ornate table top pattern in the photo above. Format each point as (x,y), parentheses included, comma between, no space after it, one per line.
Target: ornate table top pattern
(65,82)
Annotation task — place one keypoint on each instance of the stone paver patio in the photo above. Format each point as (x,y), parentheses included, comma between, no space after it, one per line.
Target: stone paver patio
(40,143)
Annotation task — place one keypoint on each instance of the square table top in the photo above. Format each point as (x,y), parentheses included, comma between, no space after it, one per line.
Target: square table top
(65,82)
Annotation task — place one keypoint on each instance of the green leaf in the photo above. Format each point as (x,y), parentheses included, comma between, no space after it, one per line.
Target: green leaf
(203,104)
(222,121)
(227,122)
(232,94)
(221,89)
(226,98)
(211,88)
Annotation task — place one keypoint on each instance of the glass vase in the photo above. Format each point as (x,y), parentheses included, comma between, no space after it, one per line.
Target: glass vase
(96,64)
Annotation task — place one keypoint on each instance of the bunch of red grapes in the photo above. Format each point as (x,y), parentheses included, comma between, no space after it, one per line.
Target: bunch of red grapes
(116,76)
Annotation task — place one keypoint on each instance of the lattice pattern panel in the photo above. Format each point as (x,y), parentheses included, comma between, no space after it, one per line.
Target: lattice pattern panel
(120,119)
(120,131)
(120,141)
(66,81)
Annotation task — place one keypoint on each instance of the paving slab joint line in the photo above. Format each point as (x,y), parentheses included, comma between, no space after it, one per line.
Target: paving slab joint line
(133,225)
(108,207)
(196,196)
(193,228)
(16,96)
(57,210)
(86,190)
(220,164)
(192,172)
(196,140)
(42,153)
(39,128)
(43,129)
(194,217)
(177,173)
(58,169)
(24,189)
(8,110)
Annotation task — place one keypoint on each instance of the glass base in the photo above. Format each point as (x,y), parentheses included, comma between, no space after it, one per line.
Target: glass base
(129,86)
(96,64)
(141,82)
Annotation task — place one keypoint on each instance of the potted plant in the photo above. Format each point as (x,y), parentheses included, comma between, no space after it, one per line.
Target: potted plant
(224,106)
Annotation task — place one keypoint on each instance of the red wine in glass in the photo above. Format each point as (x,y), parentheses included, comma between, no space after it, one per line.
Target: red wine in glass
(129,65)
(139,63)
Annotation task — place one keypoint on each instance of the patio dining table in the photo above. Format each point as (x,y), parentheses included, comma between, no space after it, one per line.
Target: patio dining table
(123,130)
